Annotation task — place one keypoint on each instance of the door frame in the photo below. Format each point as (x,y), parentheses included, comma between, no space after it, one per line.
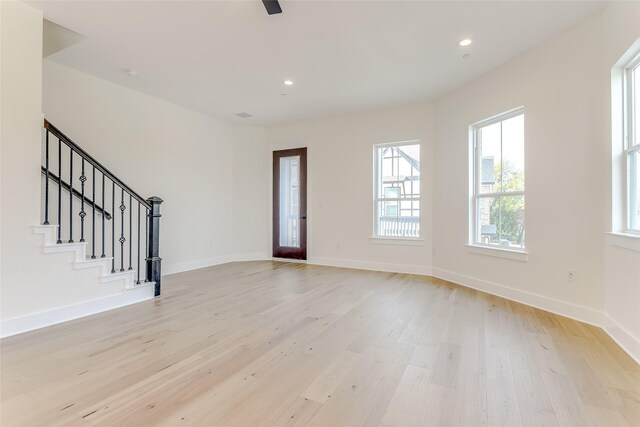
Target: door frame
(283,251)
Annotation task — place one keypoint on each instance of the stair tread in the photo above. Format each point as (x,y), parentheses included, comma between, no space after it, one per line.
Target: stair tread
(64,244)
(120,273)
(96,259)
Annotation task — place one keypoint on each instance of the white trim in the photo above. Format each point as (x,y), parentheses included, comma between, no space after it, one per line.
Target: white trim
(475,162)
(30,322)
(624,240)
(573,311)
(293,260)
(372,265)
(255,256)
(402,241)
(625,339)
(377,167)
(498,252)
(181,267)
(509,114)
(210,262)
(399,143)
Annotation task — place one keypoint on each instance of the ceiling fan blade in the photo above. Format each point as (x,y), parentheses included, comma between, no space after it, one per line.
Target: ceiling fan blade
(272,6)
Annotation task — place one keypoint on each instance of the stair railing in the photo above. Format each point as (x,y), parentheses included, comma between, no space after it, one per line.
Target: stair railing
(111,190)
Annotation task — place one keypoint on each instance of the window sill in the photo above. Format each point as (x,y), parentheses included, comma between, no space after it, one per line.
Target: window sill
(498,252)
(624,240)
(406,241)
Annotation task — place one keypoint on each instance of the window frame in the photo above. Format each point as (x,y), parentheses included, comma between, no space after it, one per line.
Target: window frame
(630,129)
(376,199)
(475,182)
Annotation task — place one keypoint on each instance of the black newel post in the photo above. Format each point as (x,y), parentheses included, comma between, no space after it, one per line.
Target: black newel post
(154,260)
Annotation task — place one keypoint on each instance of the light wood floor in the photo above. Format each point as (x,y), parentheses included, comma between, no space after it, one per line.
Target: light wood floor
(267,343)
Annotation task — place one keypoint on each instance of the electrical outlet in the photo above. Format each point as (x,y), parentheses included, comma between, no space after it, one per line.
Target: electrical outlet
(571,275)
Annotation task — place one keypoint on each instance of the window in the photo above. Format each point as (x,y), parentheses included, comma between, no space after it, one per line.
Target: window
(397,190)
(632,142)
(497,211)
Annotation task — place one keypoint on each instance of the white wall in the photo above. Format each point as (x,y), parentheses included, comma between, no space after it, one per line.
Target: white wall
(21,82)
(250,194)
(159,148)
(559,83)
(340,187)
(621,264)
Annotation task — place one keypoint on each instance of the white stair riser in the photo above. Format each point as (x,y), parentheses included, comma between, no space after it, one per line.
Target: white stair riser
(81,261)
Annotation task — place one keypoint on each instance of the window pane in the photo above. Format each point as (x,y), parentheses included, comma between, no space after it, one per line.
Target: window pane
(511,223)
(634,191)
(501,221)
(489,144)
(398,188)
(513,154)
(487,224)
(391,224)
(635,81)
(289,201)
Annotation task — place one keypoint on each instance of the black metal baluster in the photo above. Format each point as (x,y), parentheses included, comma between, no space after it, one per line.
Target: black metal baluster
(104,206)
(59,191)
(82,213)
(122,239)
(46,181)
(70,195)
(130,229)
(138,282)
(113,227)
(146,240)
(93,216)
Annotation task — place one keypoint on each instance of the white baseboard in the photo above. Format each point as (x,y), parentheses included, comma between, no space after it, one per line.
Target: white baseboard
(625,339)
(573,311)
(372,265)
(210,262)
(30,322)
(256,256)
(195,265)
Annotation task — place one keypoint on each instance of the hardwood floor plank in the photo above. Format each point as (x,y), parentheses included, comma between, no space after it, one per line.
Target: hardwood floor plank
(273,343)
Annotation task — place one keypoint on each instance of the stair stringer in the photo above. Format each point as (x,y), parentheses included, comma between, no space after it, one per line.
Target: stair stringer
(73,286)
(81,261)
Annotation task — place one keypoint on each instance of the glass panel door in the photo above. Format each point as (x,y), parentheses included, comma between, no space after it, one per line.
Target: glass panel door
(290,203)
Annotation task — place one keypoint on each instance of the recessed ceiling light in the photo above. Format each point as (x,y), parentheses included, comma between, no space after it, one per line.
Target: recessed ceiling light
(131,72)
(465,42)
(288,82)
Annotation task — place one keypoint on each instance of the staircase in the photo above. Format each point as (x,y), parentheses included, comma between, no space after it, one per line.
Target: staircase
(91,213)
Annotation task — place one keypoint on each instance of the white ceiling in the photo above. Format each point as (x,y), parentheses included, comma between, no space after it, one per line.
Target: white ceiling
(226,57)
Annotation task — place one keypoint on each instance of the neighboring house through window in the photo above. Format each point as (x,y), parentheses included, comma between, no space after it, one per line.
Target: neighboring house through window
(497,211)
(397,190)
